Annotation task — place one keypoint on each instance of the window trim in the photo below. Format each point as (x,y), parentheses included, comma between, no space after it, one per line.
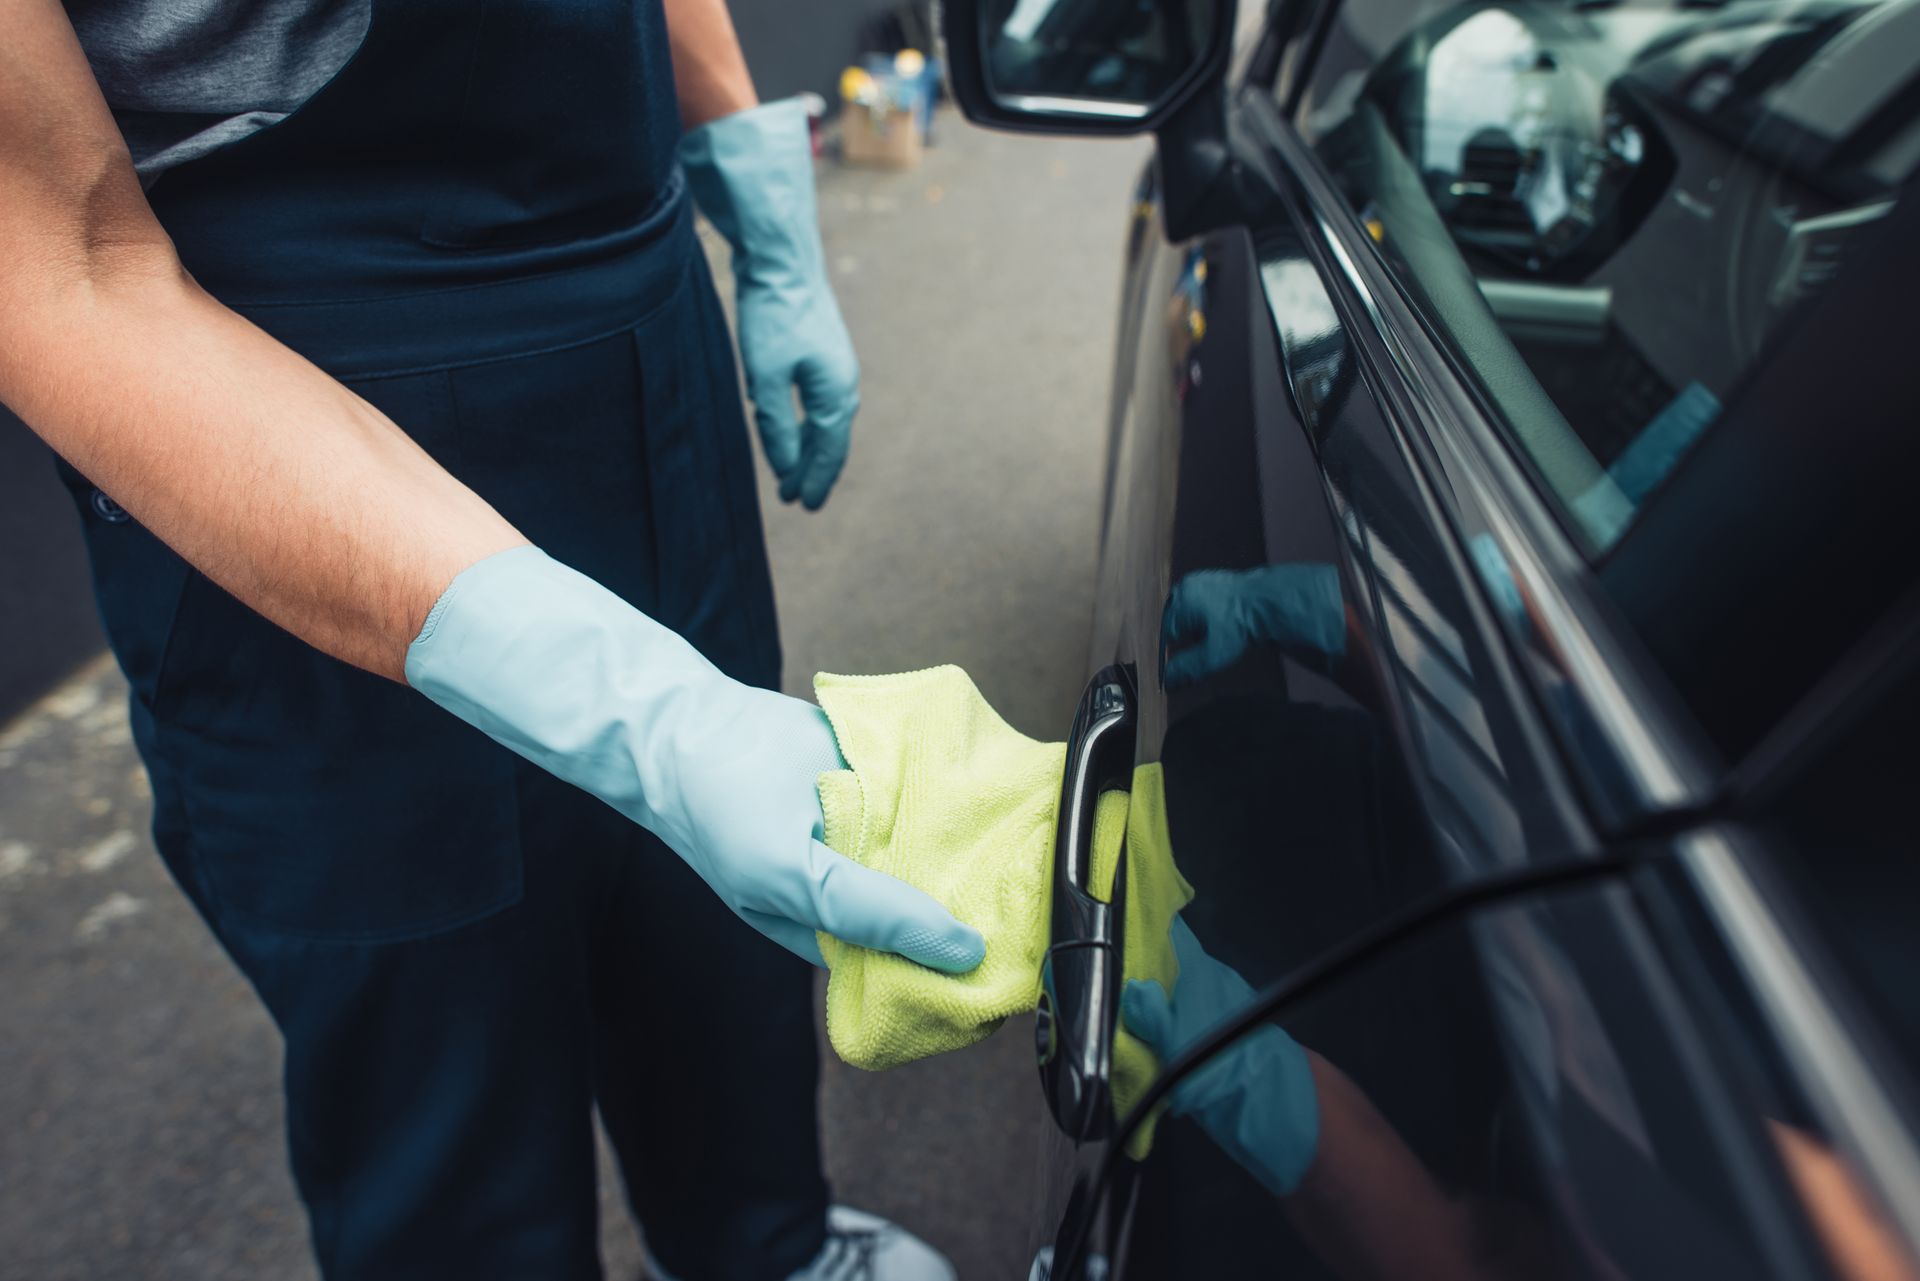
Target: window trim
(1653,760)
(1313,34)
(1808,1005)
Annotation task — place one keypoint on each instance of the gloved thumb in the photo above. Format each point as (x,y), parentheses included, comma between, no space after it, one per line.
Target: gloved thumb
(778,423)
(1148,1014)
(830,394)
(823,453)
(870,909)
(799,939)
(1191,666)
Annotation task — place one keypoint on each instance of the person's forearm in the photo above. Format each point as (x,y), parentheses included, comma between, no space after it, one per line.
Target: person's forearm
(277,482)
(709,71)
(1367,1205)
(280,484)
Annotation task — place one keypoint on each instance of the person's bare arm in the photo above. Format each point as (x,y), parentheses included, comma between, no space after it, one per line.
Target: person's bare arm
(281,485)
(1367,1206)
(709,71)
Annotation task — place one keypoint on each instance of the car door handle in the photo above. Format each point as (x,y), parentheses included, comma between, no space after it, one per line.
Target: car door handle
(1080,975)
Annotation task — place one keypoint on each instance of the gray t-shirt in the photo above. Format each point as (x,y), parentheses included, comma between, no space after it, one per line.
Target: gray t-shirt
(185,77)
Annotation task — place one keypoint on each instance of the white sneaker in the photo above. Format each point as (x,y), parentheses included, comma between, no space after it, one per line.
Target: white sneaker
(860,1247)
(865,1247)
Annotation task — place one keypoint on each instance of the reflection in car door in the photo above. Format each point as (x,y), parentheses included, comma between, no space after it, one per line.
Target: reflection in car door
(1311,670)
(1338,734)
(1308,662)
(1526,1092)
(1327,645)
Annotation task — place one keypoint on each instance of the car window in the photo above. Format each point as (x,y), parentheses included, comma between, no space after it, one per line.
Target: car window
(1514,1097)
(1608,210)
(1848,846)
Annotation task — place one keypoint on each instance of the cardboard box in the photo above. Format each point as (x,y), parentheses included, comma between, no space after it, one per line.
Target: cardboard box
(885,139)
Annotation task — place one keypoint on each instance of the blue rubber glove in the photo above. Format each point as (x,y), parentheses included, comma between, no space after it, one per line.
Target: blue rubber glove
(1255,1100)
(1216,615)
(752,175)
(557,668)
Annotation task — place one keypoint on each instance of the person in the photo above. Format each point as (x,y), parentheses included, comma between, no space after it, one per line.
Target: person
(383,361)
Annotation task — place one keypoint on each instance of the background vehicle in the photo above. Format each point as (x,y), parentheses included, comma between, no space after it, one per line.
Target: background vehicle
(1567,342)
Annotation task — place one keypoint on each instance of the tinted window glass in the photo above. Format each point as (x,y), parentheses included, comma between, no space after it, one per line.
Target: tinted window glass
(1608,209)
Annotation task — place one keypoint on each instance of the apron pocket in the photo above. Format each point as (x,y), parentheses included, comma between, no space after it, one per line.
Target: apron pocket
(321,801)
(403,837)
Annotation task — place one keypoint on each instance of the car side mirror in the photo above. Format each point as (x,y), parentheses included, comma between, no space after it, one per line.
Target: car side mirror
(1082,66)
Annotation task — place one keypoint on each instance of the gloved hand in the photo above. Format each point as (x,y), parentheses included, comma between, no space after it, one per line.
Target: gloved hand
(1256,1100)
(752,174)
(1218,614)
(552,665)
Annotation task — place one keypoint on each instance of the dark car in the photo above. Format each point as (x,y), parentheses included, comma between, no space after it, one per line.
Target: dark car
(1508,590)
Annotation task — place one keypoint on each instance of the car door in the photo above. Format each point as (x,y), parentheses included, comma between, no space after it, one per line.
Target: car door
(1397,422)
(1310,679)
(1527,1090)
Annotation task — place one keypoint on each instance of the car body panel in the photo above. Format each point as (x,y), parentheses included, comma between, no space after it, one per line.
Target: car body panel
(1622,1077)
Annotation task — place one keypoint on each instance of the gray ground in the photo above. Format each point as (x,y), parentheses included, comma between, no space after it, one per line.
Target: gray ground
(139,1111)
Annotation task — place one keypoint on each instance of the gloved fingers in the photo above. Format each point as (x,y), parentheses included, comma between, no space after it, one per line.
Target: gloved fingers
(1209,990)
(1187,613)
(795,937)
(830,393)
(871,909)
(778,423)
(821,458)
(829,376)
(1185,625)
(1220,649)
(1186,946)
(1148,1014)
(1189,667)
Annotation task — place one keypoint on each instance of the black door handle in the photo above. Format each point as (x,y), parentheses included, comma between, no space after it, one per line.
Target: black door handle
(1080,976)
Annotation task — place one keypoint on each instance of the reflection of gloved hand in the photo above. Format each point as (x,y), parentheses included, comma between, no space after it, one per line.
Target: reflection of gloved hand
(562,671)
(1219,613)
(1256,1100)
(752,174)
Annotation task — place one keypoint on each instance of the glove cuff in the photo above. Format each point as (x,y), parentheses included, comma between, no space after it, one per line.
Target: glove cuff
(1284,1111)
(751,173)
(558,669)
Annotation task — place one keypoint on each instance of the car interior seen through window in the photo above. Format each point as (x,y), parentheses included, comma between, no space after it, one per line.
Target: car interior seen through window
(1611,211)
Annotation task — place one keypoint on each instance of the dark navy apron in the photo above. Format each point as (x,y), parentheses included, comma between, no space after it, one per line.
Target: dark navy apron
(479,226)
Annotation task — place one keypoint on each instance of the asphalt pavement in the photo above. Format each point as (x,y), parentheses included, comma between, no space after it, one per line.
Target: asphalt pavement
(139,1077)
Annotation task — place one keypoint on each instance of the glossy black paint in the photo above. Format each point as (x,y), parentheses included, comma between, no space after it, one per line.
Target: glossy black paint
(1629,1079)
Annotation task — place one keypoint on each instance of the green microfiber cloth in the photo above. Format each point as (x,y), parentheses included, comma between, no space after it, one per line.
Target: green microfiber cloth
(942,793)
(1155,893)
(945,795)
